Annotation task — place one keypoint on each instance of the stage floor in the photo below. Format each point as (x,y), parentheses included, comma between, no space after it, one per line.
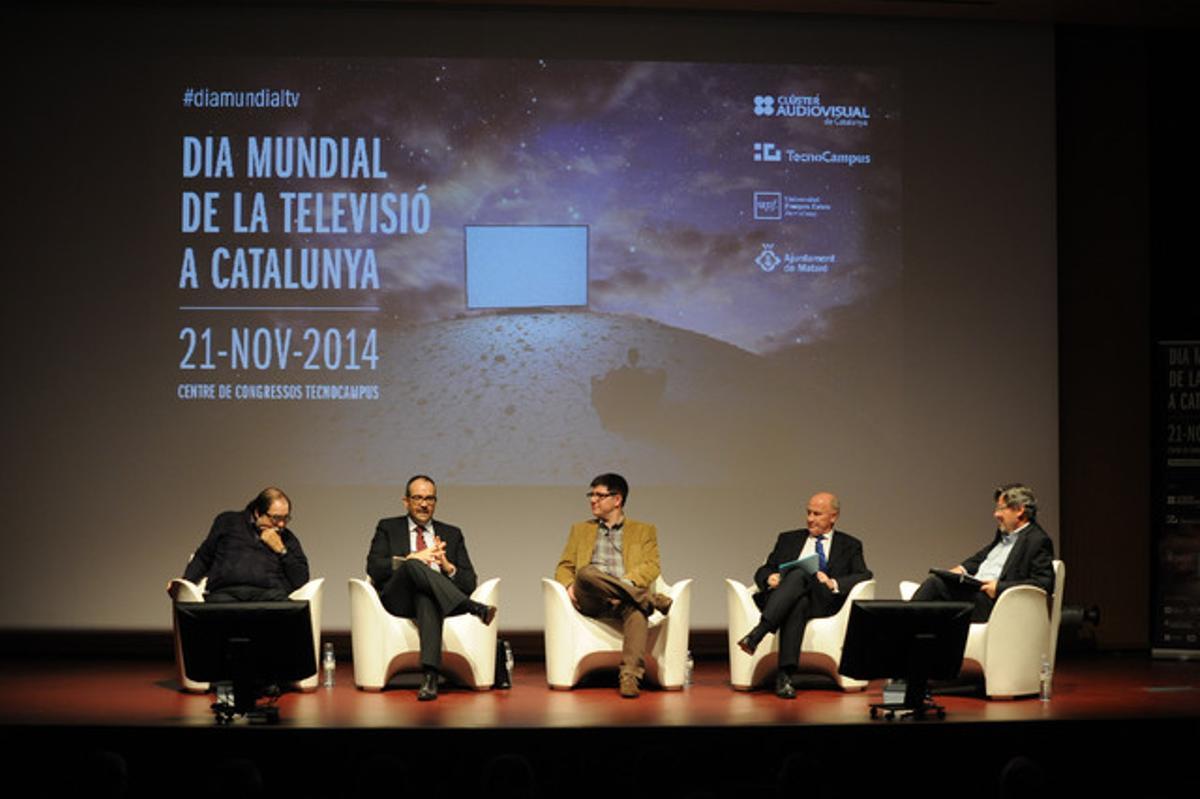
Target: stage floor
(145,693)
(1114,722)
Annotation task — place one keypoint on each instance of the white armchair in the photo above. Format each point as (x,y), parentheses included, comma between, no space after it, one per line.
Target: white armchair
(821,650)
(578,644)
(182,590)
(1006,650)
(384,645)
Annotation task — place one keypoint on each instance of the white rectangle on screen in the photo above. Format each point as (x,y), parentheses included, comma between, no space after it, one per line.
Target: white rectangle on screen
(525,266)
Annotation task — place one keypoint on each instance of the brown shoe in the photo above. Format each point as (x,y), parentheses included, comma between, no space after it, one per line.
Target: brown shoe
(662,603)
(629,686)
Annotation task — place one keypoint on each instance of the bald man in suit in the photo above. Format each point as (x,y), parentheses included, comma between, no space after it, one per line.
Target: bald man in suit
(788,600)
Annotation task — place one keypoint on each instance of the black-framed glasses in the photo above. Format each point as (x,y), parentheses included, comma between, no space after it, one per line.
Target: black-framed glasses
(598,495)
(422,499)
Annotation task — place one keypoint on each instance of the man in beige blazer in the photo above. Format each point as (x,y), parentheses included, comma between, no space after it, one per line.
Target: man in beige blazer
(609,566)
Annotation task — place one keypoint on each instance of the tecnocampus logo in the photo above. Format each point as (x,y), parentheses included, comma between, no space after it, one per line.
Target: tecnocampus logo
(767,151)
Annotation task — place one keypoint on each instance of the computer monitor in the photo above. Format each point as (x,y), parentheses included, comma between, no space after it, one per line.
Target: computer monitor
(917,641)
(249,644)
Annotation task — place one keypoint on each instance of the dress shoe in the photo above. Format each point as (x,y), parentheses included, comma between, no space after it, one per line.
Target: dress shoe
(747,644)
(429,688)
(783,686)
(486,613)
(662,603)
(629,686)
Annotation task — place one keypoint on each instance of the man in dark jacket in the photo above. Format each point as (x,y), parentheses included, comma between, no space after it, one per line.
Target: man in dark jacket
(1020,554)
(251,555)
(422,571)
(789,597)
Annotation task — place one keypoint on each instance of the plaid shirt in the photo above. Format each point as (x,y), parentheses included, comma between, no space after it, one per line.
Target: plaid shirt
(607,555)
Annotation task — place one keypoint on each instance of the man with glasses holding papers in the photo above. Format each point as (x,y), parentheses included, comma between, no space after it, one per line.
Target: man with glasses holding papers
(1020,553)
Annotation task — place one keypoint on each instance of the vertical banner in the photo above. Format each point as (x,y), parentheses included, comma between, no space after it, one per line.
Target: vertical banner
(1176,530)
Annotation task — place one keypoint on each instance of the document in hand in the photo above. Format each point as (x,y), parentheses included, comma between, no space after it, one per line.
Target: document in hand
(955,577)
(809,564)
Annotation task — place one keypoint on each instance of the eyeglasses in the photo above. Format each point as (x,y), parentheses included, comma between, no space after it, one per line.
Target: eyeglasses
(597,495)
(277,519)
(419,500)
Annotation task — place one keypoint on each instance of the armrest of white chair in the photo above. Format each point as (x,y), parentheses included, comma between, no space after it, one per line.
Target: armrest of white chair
(475,643)
(487,592)
(672,664)
(312,592)
(742,612)
(829,634)
(181,590)
(560,633)
(368,635)
(863,590)
(907,589)
(743,615)
(1018,632)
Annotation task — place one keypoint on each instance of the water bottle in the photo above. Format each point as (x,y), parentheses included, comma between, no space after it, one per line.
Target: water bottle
(1046,676)
(687,669)
(509,662)
(328,665)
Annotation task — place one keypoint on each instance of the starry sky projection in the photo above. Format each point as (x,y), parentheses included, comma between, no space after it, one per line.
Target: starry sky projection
(657,159)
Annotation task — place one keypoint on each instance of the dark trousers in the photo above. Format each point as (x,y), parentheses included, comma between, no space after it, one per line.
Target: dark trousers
(936,588)
(417,592)
(602,596)
(246,593)
(788,607)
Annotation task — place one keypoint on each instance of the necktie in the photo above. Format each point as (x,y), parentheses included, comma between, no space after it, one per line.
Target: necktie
(421,544)
(822,561)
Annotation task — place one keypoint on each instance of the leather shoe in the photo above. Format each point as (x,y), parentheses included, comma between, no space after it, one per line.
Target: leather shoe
(662,603)
(629,686)
(487,614)
(783,686)
(747,644)
(429,688)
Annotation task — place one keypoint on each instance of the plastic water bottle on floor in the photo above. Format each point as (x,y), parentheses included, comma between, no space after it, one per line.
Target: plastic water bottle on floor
(328,665)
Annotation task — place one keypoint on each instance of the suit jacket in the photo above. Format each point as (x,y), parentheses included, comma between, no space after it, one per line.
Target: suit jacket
(844,560)
(1031,561)
(639,552)
(391,538)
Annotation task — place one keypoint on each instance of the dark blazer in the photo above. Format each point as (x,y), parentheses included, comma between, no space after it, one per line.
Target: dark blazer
(391,538)
(1031,561)
(844,562)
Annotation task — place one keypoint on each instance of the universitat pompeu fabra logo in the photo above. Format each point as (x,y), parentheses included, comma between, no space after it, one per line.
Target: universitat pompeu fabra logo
(767,260)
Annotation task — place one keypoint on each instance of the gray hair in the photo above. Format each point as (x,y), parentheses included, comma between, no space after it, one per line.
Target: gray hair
(1016,495)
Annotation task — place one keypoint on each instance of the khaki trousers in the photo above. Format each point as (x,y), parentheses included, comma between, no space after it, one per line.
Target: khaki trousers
(603,596)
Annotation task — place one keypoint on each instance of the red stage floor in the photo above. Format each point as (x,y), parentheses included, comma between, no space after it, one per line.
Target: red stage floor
(1115,724)
(143,693)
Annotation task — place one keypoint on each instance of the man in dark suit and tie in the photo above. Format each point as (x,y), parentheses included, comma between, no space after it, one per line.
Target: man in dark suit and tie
(422,571)
(788,600)
(1020,554)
